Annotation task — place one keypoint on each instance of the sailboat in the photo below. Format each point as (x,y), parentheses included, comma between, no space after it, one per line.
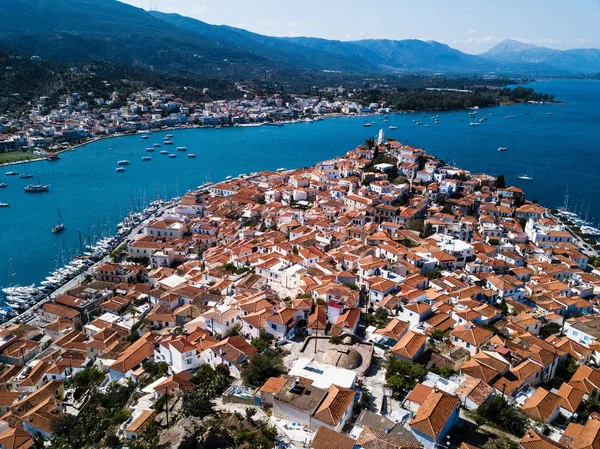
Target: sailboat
(527,176)
(25,175)
(61,225)
(36,188)
(3,184)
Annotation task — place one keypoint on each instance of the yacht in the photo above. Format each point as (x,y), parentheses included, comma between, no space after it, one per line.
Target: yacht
(156,145)
(181,148)
(4,204)
(474,123)
(502,149)
(123,162)
(36,188)
(164,152)
(146,158)
(61,224)
(527,176)
(172,156)
(191,155)
(149,150)
(367,125)
(11,173)
(54,157)
(168,142)
(26,174)
(169,136)
(144,137)
(393,127)
(3,184)
(120,169)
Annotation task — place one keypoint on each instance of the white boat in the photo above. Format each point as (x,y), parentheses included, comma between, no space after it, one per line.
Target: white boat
(146,158)
(474,123)
(144,137)
(393,127)
(120,169)
(169,136)
(367,125)
(191,155)
(36,188)
(11,173)
(150,150)
(172,156)
(164,152)
(123,162)
(167,142)
(61,224)
(4,204)
(502,149)
(156,145)
(181,148)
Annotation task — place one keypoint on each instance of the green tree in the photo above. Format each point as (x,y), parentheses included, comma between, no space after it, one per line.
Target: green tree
(500,182)
(261,367)
(402,376)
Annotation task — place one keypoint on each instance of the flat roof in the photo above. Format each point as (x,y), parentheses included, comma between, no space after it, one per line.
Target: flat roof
(323,375)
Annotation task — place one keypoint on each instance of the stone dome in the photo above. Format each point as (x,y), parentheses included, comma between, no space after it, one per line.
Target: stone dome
(343,357)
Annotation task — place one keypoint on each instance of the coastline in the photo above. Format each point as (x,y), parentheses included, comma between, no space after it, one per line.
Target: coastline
(193,126)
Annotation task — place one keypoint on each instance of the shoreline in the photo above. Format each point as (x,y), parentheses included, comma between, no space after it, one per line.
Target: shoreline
(183,127)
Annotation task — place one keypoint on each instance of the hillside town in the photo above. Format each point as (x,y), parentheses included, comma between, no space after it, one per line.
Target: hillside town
(83,116)
(382,299)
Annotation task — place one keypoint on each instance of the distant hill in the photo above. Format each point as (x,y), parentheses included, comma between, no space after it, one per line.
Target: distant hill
(402,55)
(511,52)
(85,30)
(273,48)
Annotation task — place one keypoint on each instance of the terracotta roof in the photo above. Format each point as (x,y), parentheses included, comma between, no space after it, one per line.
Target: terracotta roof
(534,440)
(15,438)
(571,397)
(273,385)
(334,405)
(371,438)
(541,405)
(325,438)
(472,334)
(434,413)
(409,345)
(135,354)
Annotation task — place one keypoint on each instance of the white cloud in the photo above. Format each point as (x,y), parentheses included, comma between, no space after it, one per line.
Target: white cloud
(472,31)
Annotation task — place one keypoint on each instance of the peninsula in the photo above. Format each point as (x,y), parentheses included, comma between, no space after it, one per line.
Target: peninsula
(382,298)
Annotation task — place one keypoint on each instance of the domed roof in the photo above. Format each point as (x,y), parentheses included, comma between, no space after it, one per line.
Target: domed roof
(343,357)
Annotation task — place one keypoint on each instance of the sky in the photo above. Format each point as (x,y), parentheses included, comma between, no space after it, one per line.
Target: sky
(471,26)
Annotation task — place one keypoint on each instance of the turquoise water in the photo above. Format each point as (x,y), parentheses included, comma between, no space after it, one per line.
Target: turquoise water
(562,148)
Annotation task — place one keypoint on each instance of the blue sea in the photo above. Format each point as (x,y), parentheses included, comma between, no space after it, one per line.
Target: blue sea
(559,143)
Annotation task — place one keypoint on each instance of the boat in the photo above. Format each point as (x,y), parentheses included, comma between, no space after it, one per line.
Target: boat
(120,169)
(144,137)
(146,158)
(167,142)
(164,152)
(367,125)
(172,156)
(123,162)
(3,184)
(4,204)
(181,148)
(474,123)
(11,173)
(26,174)
(169,136)
(527,176)
(61,224)
(156,145)
(191,155)
(54,157)
(274,123)
(502,149)
(36,188)
(393,127)
(150,150)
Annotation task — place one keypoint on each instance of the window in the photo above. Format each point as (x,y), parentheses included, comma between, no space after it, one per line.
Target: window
(273,326)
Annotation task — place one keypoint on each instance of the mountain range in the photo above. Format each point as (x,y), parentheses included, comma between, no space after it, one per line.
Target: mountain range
(82,30)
